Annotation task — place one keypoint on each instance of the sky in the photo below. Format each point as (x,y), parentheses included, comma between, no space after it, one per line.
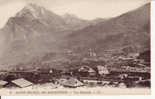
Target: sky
(86,9)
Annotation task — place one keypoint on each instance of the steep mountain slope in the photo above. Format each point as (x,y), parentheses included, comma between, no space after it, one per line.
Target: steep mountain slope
(129,32)
(74,22)
(33,32)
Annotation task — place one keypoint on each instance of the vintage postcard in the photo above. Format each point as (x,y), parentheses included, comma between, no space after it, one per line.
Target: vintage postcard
(75,47)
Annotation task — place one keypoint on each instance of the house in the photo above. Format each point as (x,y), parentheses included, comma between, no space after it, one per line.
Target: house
(92,53)
(123,76)
(133,55)
(134,78)
(112,84)
(10,77)
(88,78)
(3,83)
(3,74)
(87,70)
(93,82)
(90,81)
(22,83)
(72,82)
(143,83)
(105,82)
(122,85)
(102,70)
(61,81)
(125,58)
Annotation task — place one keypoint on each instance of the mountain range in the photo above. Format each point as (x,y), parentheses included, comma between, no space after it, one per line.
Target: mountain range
(36,31)
(129,32)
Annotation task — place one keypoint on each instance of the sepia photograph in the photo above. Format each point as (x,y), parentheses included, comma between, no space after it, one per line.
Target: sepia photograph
(75,47)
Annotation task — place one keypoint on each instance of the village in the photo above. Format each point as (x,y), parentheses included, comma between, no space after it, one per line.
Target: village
(128,72)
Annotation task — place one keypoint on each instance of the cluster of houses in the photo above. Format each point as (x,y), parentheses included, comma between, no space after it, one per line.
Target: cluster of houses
(136,74)
(79,77)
